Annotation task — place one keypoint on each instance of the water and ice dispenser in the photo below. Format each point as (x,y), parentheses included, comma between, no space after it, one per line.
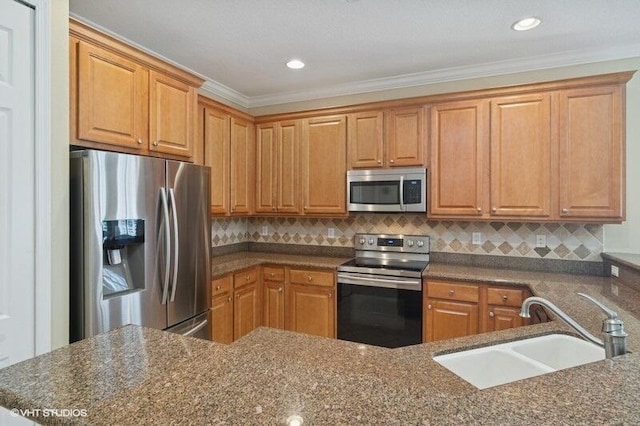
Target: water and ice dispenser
(123,256)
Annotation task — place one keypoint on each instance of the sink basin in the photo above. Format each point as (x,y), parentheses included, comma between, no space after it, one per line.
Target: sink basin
(507,362)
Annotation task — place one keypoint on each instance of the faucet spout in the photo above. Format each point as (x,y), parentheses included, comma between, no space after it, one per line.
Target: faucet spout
(615,338)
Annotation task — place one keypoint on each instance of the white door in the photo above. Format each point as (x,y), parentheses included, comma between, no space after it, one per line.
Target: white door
(17,183)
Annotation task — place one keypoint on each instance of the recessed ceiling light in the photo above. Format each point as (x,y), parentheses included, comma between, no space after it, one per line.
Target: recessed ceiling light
(295,64)
(526,24)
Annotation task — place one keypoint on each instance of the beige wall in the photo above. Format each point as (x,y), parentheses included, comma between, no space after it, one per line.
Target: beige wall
(617,238)
(59,100)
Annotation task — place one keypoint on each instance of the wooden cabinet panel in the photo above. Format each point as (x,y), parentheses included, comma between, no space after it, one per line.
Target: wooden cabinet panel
(217,143)
(246,310)
(243,278)
(448,319)
(521,156)
(274,303)
(271,273)
(311,309)
(303,276)
(266,167)
(112,97)
(172,112)
(591,167)
(453,291)
(405,137)
(365,139)
(324,165)
(502,318)
(506,296)
(222,318)
(242,169)
(459,141)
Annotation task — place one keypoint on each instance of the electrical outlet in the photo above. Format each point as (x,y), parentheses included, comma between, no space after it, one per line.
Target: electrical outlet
(265,230)
(615,271)
(331,232)
(541,241)
(614,289)
(476,238)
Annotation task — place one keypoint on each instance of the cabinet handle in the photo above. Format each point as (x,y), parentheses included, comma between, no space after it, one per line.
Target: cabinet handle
(479,209)
(305,207)
(218,287)
(491,314)
(238,296)
(451,292)
(273,208)
(272,275)
(247,278)
(429,307)
(392,161)
(309,278)
(505,297)
(279,288)
(379,161)
(155,143)
(139,141)
(493,209)
(330,295)
(229,299)
(565,210)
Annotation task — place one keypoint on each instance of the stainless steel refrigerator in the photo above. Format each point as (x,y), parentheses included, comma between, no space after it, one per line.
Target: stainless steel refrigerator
(140,244)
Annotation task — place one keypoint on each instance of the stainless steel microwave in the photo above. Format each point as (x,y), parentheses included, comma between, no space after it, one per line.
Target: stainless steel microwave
(387,190)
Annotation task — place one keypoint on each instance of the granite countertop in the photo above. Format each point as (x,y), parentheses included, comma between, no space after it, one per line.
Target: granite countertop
(135,375)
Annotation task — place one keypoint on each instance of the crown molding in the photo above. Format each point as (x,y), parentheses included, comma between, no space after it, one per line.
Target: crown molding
(212,88)
(490,69)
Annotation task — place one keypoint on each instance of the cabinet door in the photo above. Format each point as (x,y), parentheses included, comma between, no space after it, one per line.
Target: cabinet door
(459,137)
(266,167)
(242,166)
(274,304)
(222,318)
(246,310)
(172,109)
(502,318)
(447,319)
(324,165)
(311,310)
(405,137)
(591,167)
(365,139)
(217,156)
(112,98)
(288,156)
(521,156)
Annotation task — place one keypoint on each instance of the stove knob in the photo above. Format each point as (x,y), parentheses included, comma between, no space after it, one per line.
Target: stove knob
(370,241)
(410,243)
(420,243)
(362,241)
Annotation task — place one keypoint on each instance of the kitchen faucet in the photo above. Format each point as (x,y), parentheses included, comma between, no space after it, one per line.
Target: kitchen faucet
(615,338)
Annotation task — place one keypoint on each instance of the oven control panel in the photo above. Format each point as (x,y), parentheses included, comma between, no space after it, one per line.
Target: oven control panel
(398,243)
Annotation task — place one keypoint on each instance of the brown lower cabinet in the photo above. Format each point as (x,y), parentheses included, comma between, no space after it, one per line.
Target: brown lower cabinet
(222,310)
(457,309)
(274,300)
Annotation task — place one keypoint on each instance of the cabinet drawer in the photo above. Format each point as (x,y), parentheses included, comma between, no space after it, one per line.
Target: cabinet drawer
(221,285)
(245,277)
(299,276)
(270,273)
(505,296)
(453,291)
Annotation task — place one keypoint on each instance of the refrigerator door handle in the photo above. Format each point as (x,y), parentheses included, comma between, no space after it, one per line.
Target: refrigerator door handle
(197,328)
(167,245)
(176,257)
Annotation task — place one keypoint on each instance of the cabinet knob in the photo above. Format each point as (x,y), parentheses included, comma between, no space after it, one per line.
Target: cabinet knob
(238,296)
(272,275)
(305,207)
(379,161)
(155,143)
(392,161)
(139,141)
(279,288)
(491,314)
(565,210)
(247,278)
(479,209)
(218,287)
(451,292)
(505,297)
(429,307)
(309,278)
(229,299)
(493,209)
(330,295)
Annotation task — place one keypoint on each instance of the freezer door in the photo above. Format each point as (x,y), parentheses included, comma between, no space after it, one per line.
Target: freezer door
(188,196)
(116,265)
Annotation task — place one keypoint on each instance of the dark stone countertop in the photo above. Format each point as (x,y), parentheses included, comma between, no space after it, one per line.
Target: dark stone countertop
(135,375)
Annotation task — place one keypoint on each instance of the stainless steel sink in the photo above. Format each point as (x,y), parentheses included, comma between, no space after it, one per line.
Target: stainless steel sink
(508,362)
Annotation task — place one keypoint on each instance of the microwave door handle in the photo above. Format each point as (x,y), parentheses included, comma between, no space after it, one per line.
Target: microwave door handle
(402,193)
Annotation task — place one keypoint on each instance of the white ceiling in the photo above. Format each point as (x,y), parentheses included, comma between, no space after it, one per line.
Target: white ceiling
(240,47)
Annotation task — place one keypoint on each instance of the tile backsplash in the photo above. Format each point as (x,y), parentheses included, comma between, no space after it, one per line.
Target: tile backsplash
(564,241)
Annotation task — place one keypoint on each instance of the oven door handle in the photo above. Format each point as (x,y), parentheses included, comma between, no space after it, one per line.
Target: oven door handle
(414,284)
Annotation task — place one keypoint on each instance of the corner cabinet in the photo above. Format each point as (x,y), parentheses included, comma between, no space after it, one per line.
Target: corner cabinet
(324,165)
(125,100)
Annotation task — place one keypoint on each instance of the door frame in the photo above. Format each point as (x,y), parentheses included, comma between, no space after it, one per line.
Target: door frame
(43,217)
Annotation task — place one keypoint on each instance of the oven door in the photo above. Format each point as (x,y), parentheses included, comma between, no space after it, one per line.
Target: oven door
(385,313)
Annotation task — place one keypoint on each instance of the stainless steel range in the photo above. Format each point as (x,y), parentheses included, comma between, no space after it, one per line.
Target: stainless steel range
(380,290)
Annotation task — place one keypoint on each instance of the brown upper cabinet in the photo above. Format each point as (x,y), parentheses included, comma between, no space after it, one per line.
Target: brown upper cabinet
(324,165)
(390,138)
(277,167)
(125,100)
(229,149)
(553,154)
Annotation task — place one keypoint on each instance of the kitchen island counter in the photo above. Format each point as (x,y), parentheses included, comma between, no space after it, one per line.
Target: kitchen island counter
(135,375)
